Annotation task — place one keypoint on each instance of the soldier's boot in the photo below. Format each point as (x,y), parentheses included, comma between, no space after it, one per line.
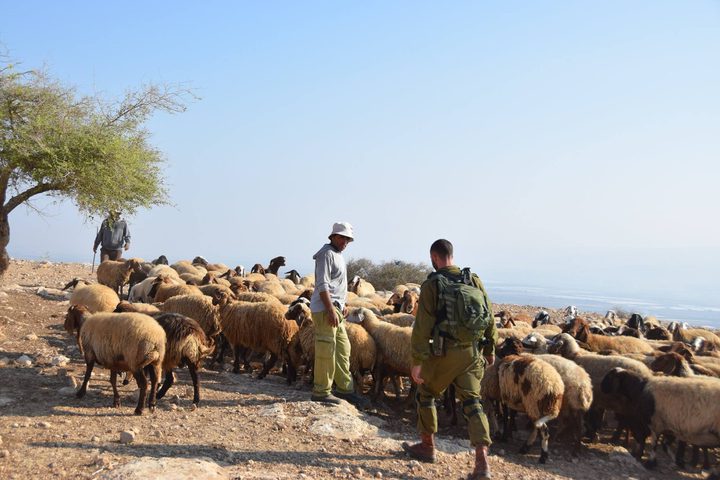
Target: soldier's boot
(482,467)
(423,451)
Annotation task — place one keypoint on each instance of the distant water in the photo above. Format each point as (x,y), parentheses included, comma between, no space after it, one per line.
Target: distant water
(698,315)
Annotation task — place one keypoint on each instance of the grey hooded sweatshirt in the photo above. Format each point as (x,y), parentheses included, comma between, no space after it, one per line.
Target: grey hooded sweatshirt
(330,276)
(112,236)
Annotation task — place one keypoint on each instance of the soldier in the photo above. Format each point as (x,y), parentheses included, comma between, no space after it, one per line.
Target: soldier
(114,235)
(454,321)
(332,347)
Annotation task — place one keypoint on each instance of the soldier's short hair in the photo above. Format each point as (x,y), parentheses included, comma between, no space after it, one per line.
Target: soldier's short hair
(442,247)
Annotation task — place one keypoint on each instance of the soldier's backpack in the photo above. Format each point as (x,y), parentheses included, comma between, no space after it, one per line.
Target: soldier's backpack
(463,312)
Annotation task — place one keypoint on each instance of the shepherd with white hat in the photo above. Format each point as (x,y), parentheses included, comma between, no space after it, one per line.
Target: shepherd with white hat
(332,347)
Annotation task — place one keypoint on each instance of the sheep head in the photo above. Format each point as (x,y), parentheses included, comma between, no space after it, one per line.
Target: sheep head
(200,261)
(275,264)
(221,297)
(410,302)
(510,346)
(360,315)
(161,260)
(506,319)
(159,280)
(299,311)
(668,363)
(542,318)
(294,276)
(74,283)
(658,333)
(624,382)
(563,345)
(133,264)
(257,268)
(75,317)
(532,341)
(238,287)
(209,278)
(124,306)
(395,299)
(682,349)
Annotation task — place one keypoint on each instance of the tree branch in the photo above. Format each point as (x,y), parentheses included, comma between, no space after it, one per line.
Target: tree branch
(26,195)
(4,181)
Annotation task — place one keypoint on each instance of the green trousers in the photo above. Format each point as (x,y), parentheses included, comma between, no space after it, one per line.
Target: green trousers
(463,367)
(332,356)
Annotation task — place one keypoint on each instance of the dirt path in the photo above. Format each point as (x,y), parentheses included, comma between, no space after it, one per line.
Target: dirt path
(244,428)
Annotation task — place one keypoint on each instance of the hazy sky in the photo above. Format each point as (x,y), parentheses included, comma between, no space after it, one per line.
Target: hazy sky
(555,143)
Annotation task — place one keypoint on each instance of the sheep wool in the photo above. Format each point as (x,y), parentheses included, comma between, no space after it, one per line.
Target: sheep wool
(96,297)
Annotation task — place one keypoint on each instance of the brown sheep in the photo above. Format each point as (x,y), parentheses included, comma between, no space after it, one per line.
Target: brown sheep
(116,273)
(580,330)
(410,302)
(258,326)
(121,342)
(186,345)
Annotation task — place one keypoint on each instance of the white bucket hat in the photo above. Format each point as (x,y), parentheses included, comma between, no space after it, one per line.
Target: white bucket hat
(344,229)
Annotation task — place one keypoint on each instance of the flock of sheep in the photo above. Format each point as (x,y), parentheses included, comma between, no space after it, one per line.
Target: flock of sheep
(658,381)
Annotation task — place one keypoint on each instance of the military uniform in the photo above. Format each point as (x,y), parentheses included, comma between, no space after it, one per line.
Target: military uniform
(461,365)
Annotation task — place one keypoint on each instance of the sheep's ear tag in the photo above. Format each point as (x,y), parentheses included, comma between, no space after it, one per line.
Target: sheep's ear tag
(361,316)
(533,340)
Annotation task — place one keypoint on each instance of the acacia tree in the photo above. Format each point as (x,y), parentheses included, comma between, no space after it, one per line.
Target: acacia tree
(90,150)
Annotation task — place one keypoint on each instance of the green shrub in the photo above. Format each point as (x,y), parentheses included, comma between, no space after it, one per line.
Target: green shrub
(386,275)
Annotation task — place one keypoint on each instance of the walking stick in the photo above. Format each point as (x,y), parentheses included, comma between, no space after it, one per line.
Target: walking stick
(92,270)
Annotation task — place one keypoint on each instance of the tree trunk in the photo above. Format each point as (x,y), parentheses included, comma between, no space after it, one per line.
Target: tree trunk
(4,241)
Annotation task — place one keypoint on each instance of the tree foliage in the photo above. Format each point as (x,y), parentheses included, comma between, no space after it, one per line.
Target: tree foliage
(386,275)
(92,150)
(89,149)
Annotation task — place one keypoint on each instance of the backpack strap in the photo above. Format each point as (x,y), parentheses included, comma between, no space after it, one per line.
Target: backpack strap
(441,314)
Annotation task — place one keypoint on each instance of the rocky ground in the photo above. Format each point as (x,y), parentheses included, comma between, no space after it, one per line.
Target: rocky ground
(245,428)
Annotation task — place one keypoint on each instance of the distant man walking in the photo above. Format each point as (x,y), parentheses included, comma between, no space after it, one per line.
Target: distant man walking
(114,235)
(332,347)
(454,321)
